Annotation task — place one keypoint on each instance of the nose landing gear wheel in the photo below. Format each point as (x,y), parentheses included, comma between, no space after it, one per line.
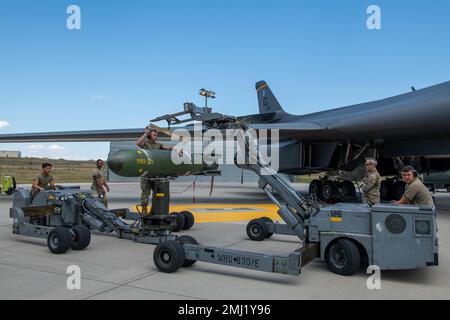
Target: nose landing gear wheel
(169,256)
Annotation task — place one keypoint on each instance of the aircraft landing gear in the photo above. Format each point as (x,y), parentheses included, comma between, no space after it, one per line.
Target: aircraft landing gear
(328,190)
(392,189)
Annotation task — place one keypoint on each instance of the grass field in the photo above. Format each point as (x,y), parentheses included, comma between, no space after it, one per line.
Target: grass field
(307,179)
(64,171)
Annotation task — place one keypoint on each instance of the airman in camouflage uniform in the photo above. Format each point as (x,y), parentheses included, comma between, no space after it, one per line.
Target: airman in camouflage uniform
(371,183)
(43,181)
(416,193)
(148,141)
(99,181)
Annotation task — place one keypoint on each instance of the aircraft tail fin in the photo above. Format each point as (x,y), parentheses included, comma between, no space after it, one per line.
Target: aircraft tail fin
(266,99)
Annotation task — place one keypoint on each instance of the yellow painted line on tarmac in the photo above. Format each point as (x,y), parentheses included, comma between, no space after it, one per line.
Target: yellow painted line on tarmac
(208,213)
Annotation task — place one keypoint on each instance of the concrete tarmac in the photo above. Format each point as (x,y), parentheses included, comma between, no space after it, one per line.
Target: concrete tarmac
(112,268)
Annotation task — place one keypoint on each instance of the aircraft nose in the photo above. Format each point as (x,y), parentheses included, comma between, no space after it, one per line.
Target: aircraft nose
(116,161)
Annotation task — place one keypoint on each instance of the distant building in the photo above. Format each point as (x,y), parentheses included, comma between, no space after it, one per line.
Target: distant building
(10,154)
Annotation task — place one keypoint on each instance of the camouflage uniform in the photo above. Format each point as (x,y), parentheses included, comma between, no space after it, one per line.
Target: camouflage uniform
(371,187)
(147,186)
(418,194)
(101,174)
(43,182)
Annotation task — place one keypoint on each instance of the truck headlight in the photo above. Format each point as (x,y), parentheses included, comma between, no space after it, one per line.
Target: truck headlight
(423,228)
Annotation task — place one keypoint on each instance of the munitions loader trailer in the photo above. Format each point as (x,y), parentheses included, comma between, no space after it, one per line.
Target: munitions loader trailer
(65,217)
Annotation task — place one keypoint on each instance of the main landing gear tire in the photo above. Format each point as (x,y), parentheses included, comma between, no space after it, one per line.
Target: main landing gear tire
(187,240)
(343,257)
(169,256)
(81,237)
(386,190)
(329,190)
(392,190)
(59,240)
(332,190)
(348,189)
(399,190)
(315,188)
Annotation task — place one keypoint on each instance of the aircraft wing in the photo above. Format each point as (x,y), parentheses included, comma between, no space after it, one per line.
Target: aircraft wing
(297,129)
(286,129)
(74,136)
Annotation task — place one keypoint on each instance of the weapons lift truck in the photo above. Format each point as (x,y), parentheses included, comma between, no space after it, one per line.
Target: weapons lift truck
(345,236)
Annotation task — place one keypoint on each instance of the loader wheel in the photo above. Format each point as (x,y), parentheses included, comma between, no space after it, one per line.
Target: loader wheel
(82,237)
(179,222)
(343,257)
(169,256)
(187,240)
(257,230)
(59,240)
(267,220)
(189,220)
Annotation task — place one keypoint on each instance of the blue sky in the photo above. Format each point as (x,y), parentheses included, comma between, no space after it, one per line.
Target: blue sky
(134,60)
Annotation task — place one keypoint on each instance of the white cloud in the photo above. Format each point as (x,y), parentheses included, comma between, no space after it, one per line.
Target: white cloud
(36,147)
(4,124)
(55,147)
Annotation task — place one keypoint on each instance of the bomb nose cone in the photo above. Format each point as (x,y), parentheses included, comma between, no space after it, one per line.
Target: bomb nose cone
(116,161)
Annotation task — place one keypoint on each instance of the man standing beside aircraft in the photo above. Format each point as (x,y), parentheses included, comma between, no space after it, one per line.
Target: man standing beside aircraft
(416,193)
(99,181)
(43,181)
(148,141)
(371,183)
